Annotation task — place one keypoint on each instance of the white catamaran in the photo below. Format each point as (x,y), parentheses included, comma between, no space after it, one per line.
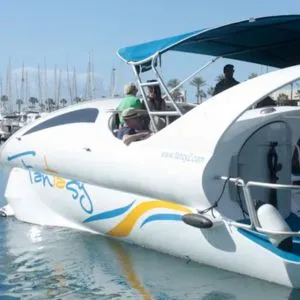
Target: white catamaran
(215,185)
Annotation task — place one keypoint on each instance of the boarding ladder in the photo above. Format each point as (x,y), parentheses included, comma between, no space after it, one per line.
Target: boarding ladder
(176,112)
(152,64)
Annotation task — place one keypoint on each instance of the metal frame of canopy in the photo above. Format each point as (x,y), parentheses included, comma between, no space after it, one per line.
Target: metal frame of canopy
(270,40)
(147,84)
(168,93)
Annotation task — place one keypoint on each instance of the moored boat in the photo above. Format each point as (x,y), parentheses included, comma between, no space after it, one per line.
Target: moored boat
(214,185)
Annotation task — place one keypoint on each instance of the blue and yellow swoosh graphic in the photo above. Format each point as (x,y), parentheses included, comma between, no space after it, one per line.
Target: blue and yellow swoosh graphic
(125,226)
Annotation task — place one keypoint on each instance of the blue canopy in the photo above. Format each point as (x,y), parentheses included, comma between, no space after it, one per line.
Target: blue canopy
(272,41)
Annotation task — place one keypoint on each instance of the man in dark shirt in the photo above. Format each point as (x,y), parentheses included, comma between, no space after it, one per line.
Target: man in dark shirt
(228,80)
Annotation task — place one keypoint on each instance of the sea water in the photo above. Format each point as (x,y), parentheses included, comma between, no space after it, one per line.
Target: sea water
(56,263)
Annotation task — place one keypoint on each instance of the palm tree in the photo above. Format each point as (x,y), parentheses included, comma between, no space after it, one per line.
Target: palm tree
(33,101)
(201,95)
(198,82)
(282,98)
(42,106)
(297,94)
(50,103)
(172,83)
(19,103)
(63,102)
(4,100)
(252,75)
(210,91)
(77,99)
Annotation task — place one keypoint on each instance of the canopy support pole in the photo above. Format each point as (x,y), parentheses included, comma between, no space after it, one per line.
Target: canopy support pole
(168,93)
(138,79)
(195,73)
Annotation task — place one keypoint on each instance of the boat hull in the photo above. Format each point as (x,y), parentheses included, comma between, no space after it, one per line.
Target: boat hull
(152,223)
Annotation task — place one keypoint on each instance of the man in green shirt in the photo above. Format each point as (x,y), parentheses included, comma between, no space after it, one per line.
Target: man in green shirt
(130,100)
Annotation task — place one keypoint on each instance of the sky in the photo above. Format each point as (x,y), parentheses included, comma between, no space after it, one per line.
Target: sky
(60,33)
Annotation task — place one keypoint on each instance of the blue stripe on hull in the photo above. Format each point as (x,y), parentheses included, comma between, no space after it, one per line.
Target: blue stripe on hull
(262,240)
(162,217)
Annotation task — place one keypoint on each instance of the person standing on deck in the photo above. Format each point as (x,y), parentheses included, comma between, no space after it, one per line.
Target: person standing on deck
(130,100)
(156,103)
(227,82)
(154,98)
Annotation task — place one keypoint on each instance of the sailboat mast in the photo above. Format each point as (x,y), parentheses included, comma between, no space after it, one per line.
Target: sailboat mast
(58,87)
(8,87)
(27,90)
(17,96)
(1,86)
(55,87)
(45,81)
(70,86)
(93,87)
(1,94)
(75,84)
(112,88)
(22,84)
(40,90)
(89,85)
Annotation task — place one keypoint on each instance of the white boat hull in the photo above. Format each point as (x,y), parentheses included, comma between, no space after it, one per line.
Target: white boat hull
(139,193)
(146,222)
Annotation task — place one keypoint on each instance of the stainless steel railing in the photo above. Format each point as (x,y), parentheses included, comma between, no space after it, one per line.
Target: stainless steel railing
(254,223)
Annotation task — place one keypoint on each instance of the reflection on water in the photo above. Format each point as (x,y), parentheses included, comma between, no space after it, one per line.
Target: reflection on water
(54,263)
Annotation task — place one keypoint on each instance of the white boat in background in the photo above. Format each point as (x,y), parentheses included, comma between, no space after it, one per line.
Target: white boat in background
(215,185)
(10,123)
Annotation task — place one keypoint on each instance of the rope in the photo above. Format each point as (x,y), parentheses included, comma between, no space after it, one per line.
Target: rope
(216,202)
(274,167)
